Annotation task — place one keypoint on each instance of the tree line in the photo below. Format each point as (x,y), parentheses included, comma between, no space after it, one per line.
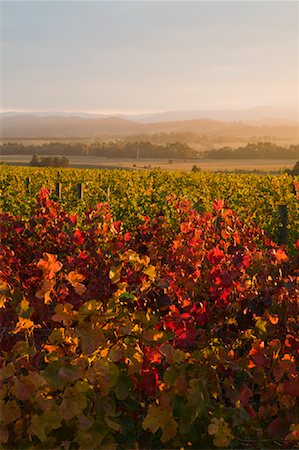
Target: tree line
(147,149)
(118,149)
(261,150)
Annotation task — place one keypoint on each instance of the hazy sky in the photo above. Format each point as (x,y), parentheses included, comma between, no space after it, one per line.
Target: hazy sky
(138,56)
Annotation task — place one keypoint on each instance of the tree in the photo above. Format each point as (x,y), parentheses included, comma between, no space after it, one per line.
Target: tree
(295,170)
(35,161)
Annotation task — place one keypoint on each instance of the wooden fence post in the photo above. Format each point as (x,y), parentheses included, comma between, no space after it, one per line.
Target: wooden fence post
(80,191)
(58,190)
(218,224)
(283,224)
(27,183)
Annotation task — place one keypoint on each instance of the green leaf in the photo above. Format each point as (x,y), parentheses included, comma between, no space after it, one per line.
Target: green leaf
(261,328)
(122,388)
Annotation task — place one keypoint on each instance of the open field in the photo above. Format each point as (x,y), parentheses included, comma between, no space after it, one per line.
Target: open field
(164,164)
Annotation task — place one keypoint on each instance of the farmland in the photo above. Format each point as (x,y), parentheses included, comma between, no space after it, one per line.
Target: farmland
(97,162)
(156,311)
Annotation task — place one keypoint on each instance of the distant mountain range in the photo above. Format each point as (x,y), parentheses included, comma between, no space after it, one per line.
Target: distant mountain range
(262,121)
(288,112)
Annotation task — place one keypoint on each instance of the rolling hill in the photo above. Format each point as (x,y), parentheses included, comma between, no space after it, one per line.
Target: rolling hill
(55,127)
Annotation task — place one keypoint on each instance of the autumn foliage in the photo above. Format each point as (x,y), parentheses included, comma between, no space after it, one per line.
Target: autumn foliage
(153,337)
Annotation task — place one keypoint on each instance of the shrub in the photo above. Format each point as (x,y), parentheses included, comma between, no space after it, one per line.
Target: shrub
(49,161)
(147,338)
(195,168)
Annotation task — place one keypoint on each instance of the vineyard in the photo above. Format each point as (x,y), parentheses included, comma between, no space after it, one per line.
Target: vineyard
(133,195)
(148,310)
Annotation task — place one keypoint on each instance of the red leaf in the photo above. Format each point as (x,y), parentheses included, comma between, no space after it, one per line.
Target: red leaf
(257,354)
(246,394)
(218,204)
(215,255)
(44,193)
(79,238)
(73,219)
(278,428)
(152,355)
(291,388)
(149,381)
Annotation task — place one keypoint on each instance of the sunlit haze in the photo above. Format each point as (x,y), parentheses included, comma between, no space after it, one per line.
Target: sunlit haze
(130,57)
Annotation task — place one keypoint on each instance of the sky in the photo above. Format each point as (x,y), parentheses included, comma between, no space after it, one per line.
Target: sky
(148,56)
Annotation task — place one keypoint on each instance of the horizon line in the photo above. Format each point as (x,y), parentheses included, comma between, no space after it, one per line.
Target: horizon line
(141,112)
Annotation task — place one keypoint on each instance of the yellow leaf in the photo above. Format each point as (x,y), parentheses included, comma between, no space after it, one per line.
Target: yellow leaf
(261,327)
(138,357)
(4,293)
(64,313)
(132,256)
(3,300)
(160,418)
(158,336)
(114,274)
(145,260)
(25,325)
(221,432)
(150,271)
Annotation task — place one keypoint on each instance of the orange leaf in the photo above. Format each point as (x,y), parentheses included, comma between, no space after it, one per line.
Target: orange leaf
(24,325)
(64,313)
(49,265)
(274,319)
(75,278)
(281,256)
(45,290)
